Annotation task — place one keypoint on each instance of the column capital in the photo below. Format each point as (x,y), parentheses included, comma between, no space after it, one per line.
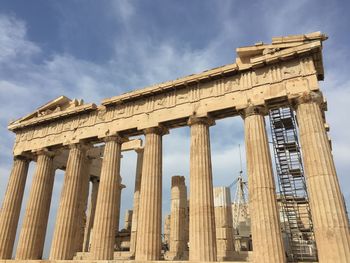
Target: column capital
(253,110)
(139,150)
(308,97)
(21,158)
(160,130)
(80,145)
(203,120)
(116,137)
(44,151)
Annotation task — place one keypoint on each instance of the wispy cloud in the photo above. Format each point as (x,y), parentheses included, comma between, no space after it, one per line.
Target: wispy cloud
(143,49)
(14,45)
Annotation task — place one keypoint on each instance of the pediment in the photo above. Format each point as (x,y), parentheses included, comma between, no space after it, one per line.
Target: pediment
(60,104)
(249,53)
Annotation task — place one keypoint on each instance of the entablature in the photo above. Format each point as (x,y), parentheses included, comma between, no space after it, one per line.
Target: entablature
(272,80)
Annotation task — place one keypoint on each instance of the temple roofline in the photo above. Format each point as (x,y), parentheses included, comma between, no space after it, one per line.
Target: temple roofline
(248,58)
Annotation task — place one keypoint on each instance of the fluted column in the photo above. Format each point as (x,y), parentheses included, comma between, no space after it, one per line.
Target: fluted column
(11,206)
(91,214)
(135,212)
(117,202)
(265,225)
(128,220)
(166,229)
(223,222)
(327,207)
(32,236)
(148,245)
(62,247)
(178,218)
(83,201)
(202,222)
(103,238)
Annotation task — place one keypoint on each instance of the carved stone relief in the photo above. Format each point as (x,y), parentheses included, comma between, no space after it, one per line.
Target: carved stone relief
(254,86)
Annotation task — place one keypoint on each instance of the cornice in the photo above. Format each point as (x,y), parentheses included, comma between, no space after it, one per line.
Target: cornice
(53,116)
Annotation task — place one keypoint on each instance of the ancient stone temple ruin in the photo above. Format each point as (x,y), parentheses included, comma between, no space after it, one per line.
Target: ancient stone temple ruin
(86,141)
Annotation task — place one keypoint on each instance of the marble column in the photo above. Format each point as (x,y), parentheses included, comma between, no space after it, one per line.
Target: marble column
(166,229)
(83,201)
(128,220)
(62,247)
(148,244)
(265,225)
(135,212)
(328,212)
(177,238)
(32,236)
(223,222)
(103,238)
(11,206)
(202,243)
(91,213)
(118,202)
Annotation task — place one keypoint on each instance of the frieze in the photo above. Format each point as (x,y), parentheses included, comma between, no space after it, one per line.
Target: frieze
(254,86)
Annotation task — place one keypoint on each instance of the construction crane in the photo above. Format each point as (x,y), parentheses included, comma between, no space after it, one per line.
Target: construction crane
(240,211)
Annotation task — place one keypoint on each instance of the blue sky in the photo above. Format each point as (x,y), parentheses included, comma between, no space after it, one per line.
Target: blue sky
(97,49)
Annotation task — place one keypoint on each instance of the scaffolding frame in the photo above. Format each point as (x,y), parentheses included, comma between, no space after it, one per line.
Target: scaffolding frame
(292,197)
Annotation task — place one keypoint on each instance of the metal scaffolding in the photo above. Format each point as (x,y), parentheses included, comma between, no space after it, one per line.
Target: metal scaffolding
(293,199)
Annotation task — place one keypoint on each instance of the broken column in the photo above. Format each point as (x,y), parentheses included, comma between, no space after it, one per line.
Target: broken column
(265,225)
(128,220)
(328,211)
(202,243)
(167,230)
(178,240)
(223,223)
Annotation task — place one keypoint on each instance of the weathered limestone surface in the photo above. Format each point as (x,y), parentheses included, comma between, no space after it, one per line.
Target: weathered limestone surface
(102,244)
(223,222)
(148,244)
(178,242)
(117,204)
(32,235)
(202,243)
(11,206)
(128,220)
(167,229)
(63,246)
(327,207)
(83,201)
(135,213)
(268,72)
(265,225)
(91,213)
(264,75)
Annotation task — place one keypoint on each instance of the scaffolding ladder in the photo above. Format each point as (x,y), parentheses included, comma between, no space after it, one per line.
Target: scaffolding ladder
(292,198)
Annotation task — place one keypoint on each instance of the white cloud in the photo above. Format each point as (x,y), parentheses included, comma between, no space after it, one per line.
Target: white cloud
(32,83)
(14,44)
(139,60)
